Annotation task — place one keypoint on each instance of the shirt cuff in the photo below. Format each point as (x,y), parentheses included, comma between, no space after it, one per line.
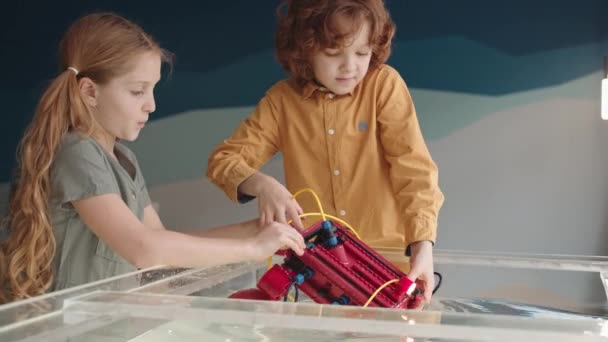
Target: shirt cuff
(420,229)
(240,173)
(244,198)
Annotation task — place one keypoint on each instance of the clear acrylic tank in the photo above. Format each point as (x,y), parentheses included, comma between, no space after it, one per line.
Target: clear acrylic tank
(483,297)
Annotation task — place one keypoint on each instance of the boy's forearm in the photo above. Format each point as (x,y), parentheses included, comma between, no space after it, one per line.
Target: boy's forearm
(417,246)
(254,184)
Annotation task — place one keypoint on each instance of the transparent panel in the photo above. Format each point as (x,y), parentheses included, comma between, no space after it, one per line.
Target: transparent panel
(483,297)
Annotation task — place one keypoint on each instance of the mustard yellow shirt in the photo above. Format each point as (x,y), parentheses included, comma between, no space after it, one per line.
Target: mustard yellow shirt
(363,153)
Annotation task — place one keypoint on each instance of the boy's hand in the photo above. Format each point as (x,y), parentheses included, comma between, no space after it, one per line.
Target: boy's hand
(275,202)
(421,266)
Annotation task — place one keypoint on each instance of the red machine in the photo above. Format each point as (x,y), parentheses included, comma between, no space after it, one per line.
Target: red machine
(337,268)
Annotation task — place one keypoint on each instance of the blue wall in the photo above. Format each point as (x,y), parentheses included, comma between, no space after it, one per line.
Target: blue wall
(225,50)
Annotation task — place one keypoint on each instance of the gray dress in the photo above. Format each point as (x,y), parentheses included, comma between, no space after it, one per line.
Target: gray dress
(80,170)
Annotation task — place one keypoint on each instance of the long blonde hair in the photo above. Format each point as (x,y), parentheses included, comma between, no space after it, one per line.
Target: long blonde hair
(99,46)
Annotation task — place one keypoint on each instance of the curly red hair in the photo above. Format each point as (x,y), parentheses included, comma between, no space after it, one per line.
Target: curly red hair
(306,26)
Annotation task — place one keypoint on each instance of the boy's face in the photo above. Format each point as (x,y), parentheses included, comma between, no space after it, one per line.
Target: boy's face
(341,69)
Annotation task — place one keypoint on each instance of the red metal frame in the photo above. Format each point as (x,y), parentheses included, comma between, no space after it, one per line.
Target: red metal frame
(337,268)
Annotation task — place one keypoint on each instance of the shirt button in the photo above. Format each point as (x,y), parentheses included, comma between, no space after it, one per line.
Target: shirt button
(337,172)
(330,96)
(331,131)
(342,212)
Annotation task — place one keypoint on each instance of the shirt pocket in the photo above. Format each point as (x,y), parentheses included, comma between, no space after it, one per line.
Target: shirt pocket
(358,140)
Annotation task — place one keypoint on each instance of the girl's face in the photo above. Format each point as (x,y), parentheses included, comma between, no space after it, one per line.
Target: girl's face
(124,104)
(341,69)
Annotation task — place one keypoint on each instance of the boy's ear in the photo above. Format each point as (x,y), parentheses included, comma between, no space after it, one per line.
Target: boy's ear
(88,90)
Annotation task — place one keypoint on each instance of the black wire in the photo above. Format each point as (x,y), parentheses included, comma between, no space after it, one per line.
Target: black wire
(297,293)
(287,293)
(438,283)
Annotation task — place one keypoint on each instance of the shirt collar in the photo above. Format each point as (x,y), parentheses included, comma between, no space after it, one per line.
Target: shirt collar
(311,86)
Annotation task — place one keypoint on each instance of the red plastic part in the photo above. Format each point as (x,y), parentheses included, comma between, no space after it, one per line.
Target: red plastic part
(346,273)
(276,282)
(250,294)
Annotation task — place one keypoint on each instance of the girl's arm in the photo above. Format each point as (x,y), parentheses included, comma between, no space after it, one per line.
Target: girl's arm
(239,230)
(114,223)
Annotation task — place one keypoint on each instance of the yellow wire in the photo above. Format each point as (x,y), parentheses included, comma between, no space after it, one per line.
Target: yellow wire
(378,291)
(324,217)
(269,262)
(334,218)
(298,193)
(320,213)
(312,192)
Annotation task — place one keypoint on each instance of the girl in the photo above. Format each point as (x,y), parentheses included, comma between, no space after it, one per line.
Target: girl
(80,210)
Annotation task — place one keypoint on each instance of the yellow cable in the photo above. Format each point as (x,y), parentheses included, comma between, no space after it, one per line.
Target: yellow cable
(320,213)
(269,262)
(378,291)
(312,192)
(298,193)
(334,218)
(324,217)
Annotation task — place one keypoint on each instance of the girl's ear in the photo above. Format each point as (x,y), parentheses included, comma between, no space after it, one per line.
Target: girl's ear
(88,90)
